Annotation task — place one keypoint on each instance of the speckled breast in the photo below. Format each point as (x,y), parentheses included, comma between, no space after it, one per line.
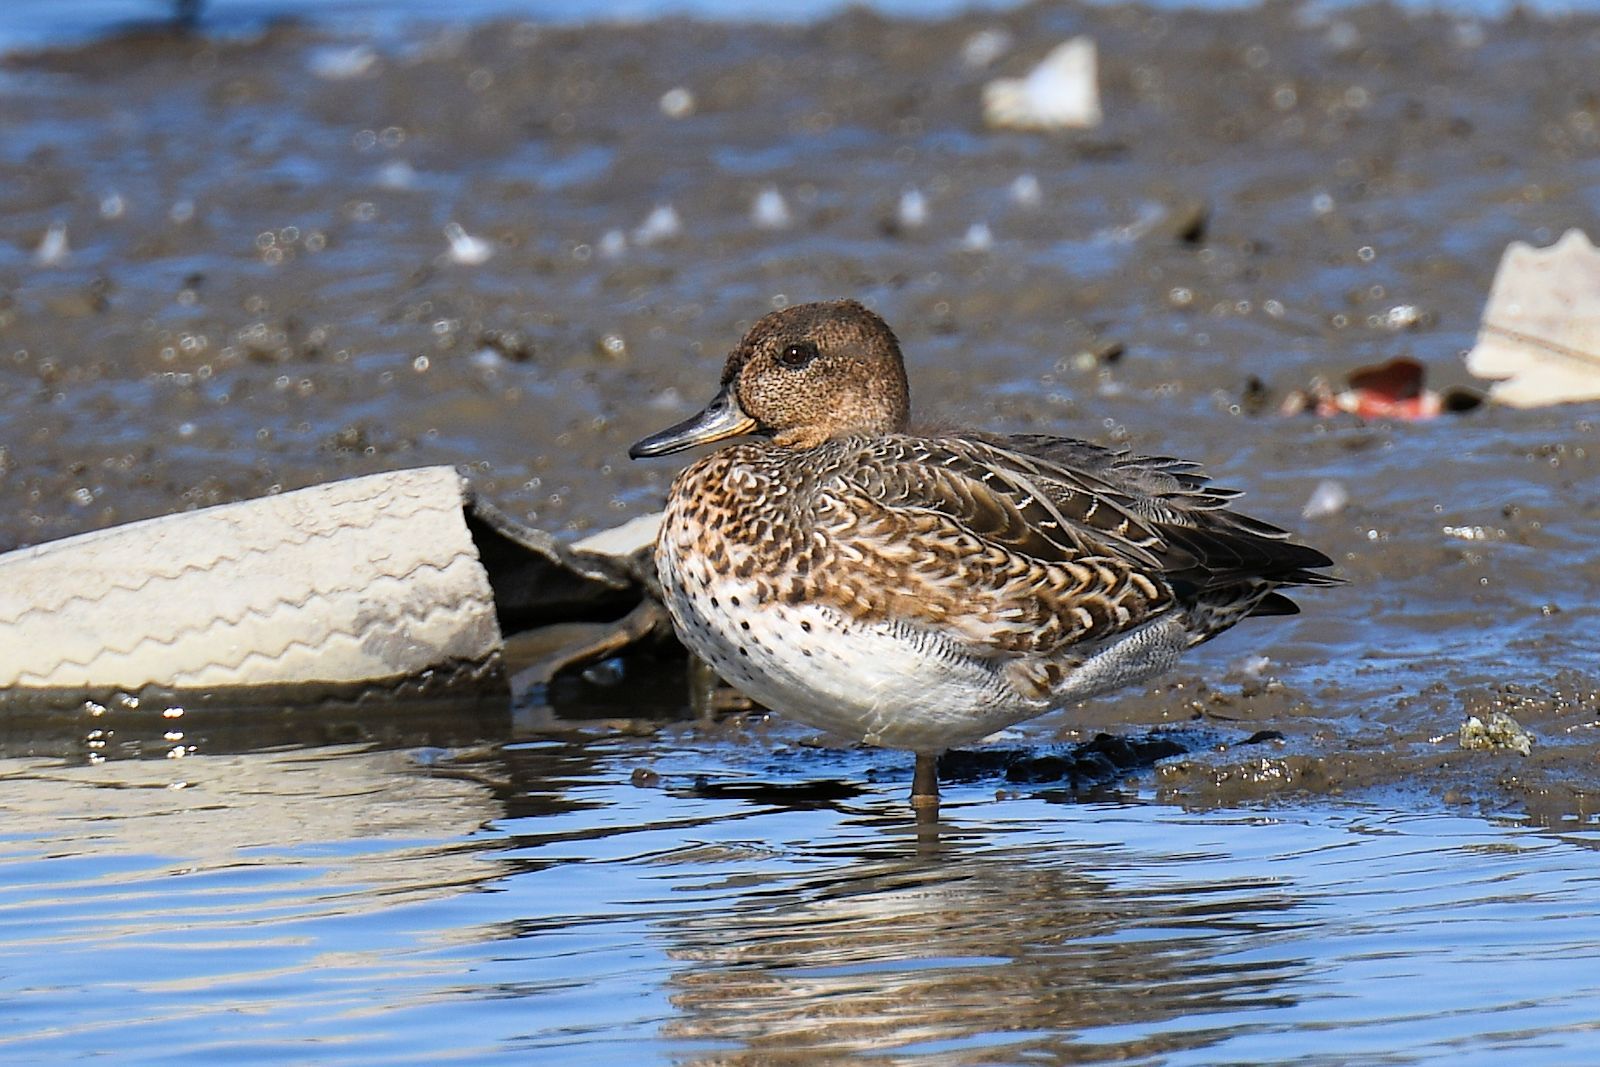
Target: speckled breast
(737,559)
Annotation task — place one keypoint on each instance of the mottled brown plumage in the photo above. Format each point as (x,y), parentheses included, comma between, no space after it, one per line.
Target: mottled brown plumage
(926,590)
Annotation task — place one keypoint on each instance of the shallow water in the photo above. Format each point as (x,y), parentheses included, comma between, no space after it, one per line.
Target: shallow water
(341,905)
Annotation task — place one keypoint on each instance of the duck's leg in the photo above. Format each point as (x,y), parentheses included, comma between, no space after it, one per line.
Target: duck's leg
(925,786)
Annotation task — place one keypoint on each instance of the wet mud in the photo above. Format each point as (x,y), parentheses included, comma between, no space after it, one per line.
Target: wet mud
(257,293)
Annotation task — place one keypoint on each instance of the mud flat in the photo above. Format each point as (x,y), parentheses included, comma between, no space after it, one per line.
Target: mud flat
(250,287)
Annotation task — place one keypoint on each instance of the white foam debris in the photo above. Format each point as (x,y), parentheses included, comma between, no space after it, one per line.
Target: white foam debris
(1500,732)
(984,47)
(677,103)
(337,63)
(912,211)
(397,174)
(1063,92)
(1540,333)
(1025,191)
(1328,498)
(465,248)
(1253,667)
(662,224)
(979,238)
(53,248)
(770,211)
(612,244)
(113,206)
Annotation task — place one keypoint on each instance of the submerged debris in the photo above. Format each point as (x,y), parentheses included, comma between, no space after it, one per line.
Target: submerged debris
(1063,92)
(1540,333)
(1501,731)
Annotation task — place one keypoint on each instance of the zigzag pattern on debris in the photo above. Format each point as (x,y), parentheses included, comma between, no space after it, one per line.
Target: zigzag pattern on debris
(402,622)
(150,568)
(398,611)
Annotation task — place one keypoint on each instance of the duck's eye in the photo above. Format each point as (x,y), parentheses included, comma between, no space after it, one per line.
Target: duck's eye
(797,355)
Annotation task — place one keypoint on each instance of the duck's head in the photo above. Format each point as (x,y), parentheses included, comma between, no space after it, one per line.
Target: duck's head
(802,376)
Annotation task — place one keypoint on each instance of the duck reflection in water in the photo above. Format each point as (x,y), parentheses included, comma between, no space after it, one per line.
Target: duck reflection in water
(1004,951)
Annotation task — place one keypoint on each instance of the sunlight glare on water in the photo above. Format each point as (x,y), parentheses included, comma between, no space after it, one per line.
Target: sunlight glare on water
(349,906)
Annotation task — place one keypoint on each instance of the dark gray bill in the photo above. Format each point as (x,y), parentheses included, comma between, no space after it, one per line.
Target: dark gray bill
(723,417)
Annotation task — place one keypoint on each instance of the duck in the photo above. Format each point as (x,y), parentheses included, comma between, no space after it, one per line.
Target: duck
(924,589)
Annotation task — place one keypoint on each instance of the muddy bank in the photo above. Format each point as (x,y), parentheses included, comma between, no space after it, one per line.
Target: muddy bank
(258,294)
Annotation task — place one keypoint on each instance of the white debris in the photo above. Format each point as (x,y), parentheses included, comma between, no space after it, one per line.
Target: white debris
(677,103)
(912,211)
(112,206)
(1025,191)
(1253,667)
(1540,332)
(1328,498)
(1403,317)
(662,224)
(1063,92)
(612,244)
(984,47)
(342,64)
(979,238)
(53,248)
(465,248)
(397,174)
(770,211)
(182,211)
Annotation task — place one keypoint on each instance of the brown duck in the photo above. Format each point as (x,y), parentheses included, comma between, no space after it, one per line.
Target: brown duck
(922,591)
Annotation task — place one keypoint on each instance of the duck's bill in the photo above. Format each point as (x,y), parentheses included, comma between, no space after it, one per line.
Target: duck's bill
(722,418)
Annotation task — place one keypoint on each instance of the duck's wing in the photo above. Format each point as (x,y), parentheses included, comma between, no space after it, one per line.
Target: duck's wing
(1008,553)
(1205,541)
(1040,509)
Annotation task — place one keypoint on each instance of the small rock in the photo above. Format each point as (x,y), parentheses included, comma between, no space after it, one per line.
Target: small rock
(612,346)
